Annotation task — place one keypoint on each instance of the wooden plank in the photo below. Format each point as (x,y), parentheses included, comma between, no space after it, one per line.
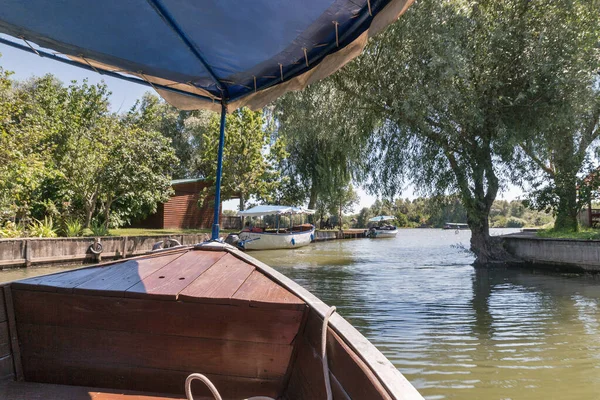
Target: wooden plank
(354,375)
(12,329)
(44,391)
(3,316)
(261,291)
(160,317)
(253,360)
(306,381)
(116,279)
(167,282)
(6,368)
(117,376)
(4,339)
(219,282)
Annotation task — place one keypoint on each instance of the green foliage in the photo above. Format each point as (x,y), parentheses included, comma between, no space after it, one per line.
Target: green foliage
(324,150)
(98,228)
(513,222)
(72,228)
(42,228)
(561,128)
(64,155)
(448,119)
(250,156)
(11,230)
(582,234)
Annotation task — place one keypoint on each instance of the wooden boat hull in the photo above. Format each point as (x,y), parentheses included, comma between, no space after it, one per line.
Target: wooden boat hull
(140,326)
(270,241)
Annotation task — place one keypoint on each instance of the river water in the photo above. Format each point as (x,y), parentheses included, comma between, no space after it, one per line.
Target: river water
(454,331)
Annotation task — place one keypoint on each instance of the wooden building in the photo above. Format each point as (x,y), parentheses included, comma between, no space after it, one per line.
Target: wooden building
(182,211)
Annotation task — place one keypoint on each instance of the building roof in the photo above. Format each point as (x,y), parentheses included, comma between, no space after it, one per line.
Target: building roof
(190,180)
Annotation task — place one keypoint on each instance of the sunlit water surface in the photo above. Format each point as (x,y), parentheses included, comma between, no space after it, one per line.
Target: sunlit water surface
(454,331)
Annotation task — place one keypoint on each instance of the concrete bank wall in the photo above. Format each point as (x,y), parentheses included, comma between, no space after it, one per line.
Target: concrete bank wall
(31,251)
(325,235)
(567,254)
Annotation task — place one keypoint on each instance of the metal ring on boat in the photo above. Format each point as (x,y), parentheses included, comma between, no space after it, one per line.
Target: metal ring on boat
(96,248)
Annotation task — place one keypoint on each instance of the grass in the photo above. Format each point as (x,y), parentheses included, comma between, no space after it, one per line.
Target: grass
(582,234)
(155,232)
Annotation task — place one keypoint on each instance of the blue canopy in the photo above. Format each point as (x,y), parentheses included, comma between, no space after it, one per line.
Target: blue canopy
(199,54)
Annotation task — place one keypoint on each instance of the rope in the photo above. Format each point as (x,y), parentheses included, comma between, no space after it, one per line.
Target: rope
(324,352)
(217,396)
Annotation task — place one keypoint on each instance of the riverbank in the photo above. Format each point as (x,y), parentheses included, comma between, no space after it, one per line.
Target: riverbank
(27,252)
(557,254)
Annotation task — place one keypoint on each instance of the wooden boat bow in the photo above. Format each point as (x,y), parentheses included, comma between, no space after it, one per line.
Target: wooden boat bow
(144,324)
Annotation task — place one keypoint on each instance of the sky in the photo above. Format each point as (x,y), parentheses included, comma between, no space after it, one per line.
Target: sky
(123,97)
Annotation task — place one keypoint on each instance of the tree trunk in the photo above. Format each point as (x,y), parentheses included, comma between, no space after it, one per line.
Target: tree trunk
(568,207)
(312,202)
(90,206)
(107,206)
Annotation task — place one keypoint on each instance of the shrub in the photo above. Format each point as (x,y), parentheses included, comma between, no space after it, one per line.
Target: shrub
(98,228)
(513,222)
(72,228)
(11,230)
(43,228)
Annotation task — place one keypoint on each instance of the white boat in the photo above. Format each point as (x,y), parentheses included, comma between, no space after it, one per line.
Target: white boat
(259,238)
(382,231)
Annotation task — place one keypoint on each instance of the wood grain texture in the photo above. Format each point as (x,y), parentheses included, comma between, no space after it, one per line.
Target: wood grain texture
(41,391)
(4,339)
(261,291)
(6,368)
(253,360)
(117,376)
(12,331)
(219,282)
(352,373)
(116,279)
(2,306)
(159,317)
(167,282)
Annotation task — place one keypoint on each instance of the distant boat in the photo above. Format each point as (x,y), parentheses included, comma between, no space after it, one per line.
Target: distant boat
(261,238)
(454,225)
(381,230)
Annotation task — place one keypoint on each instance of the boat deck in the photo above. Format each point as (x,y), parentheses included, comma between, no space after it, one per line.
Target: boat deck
(189,275)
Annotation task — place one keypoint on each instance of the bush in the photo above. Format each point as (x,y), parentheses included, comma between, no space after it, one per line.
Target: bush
(43,228)
(513,222)
(98,228)
(11,230)
(72,228)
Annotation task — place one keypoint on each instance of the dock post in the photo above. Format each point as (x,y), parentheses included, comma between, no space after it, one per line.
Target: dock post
(124,248)
(27,253)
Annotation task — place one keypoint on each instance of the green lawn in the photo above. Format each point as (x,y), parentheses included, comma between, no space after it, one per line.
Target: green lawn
(582,234)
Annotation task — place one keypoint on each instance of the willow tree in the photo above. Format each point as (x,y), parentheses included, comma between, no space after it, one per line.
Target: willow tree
(558,154)
(324,150)
(443,84)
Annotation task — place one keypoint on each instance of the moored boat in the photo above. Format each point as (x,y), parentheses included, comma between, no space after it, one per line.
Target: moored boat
(382,230)
(277,237)
(139,328)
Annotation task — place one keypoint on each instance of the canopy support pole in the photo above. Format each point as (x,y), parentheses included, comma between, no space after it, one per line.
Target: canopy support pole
(215,227)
